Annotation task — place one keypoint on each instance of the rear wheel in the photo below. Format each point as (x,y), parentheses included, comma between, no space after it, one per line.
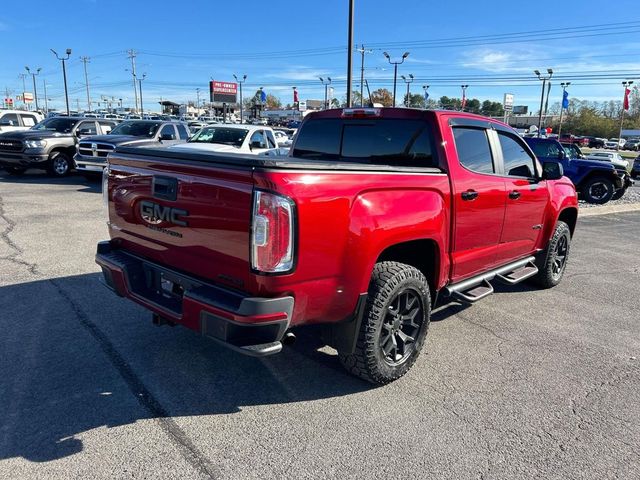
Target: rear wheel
(598,190)
(553,261)
(394,325)
(59,164)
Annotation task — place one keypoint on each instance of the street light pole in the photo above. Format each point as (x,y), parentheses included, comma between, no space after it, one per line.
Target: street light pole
(408,82)
(85,60)
(326,86)
(240,82)
(64,75)
(395,71)
(625,84)
(544,83)
(144,75)
(198,101)
(425,88)
(463,103)
(564,86)
(35,89)
(350,54)
(46,100)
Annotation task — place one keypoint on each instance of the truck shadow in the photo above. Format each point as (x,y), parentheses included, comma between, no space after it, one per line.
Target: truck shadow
(76,358)
(37,177)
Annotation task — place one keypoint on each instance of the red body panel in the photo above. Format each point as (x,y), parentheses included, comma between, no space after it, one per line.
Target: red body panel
(345,219)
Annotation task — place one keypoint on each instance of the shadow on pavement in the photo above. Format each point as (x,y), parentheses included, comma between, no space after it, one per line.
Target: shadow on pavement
(75,358)
(91,184)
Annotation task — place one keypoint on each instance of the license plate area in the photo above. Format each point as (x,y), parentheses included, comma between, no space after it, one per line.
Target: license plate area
(165,288)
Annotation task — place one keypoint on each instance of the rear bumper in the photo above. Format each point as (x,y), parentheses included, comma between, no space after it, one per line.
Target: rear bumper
(250,325)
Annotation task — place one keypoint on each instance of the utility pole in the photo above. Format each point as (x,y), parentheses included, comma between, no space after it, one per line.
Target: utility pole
(546,103)
(395,71)
(625,84)
(464,97)
(240,82)
(408,82)
(35,89)
(64,74)
(350,55)
(144,75)
(362,52)
(132,56)
(24,88)
(544,82)
(46,100)
(564,86)
(86,60)
(198,101)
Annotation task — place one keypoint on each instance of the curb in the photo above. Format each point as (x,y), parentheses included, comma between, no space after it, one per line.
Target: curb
(607,209)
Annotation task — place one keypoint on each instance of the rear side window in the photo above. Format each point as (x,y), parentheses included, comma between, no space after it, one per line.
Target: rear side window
(28,120)
(517,161)
(182,131)
(473,149)
(402,143)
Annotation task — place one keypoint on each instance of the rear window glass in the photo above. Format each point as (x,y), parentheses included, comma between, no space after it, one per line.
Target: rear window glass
(403,143)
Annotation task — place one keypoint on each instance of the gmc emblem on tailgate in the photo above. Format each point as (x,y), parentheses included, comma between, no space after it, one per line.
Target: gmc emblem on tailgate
(154,214)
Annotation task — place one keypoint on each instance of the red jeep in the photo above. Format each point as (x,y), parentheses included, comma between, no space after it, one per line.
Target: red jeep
(375,216)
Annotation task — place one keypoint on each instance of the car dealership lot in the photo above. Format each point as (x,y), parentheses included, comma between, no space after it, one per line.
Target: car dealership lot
(525,383)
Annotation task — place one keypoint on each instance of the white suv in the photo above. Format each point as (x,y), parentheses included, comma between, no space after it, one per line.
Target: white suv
(13,120)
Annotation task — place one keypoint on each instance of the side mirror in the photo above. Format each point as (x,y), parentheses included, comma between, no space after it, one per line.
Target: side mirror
(552,171)
(167,136)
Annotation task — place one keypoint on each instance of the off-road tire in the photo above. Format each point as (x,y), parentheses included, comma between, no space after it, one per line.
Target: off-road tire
(56,162)
(548,275)
(588,195)
(388,281)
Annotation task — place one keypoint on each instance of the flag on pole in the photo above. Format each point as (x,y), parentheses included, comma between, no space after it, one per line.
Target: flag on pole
(263,96)
(565,99)
(426,96)
(295,96)
(626,98)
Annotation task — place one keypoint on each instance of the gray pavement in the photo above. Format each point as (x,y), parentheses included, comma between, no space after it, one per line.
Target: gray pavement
(525,384)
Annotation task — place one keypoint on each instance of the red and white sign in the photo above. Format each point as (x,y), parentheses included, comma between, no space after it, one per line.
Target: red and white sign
(228,88)
(27,97)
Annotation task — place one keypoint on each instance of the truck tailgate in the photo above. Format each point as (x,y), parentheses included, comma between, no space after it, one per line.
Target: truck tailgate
(190,216)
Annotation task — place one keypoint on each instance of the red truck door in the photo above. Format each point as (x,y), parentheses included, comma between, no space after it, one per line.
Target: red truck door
(479,198)
(526,197)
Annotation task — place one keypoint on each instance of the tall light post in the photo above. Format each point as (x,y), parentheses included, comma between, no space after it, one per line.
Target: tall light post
(463,103)
(198,101)
(35,89)
(64,74)
(425,89)
(395,71)
(625,84)
(326,86)
(86,60)
(240,82)
(564,86)
(144,75)
(350,54)
(408,82)
(544,83)
(46,99)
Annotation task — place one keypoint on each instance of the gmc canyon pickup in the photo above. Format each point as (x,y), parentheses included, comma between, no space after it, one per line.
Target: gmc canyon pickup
(374,216)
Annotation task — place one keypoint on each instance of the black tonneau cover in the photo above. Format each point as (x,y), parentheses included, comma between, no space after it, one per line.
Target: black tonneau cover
(256,161)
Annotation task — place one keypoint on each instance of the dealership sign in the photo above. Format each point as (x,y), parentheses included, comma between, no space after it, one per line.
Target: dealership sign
(508,102)
(225,92)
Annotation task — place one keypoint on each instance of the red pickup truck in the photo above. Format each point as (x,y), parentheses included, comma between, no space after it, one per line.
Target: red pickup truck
(375,215)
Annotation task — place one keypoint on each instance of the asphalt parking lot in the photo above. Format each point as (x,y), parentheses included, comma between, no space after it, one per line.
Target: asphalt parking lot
(525,384)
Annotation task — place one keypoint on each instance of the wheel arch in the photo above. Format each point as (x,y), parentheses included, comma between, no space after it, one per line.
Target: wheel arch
(569,216)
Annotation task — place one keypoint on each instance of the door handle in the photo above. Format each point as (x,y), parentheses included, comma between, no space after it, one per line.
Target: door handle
(469,195)
(514,195)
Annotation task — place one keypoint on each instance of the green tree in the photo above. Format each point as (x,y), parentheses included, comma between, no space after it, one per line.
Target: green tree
(273,102)
(415,100)
(382,96)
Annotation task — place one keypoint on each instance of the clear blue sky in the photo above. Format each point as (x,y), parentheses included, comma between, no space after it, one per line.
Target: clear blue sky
(282,43)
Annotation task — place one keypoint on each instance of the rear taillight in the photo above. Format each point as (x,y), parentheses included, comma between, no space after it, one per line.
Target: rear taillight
(272,233)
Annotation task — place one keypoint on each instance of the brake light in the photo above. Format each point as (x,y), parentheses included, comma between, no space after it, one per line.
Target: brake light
(361,112)
(272,233)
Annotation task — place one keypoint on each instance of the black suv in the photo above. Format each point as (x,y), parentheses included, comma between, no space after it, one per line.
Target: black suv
(50,145)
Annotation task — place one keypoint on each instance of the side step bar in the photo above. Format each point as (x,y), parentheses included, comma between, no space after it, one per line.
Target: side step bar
(476,288)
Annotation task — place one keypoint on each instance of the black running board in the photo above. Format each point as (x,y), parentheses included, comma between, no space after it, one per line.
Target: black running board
(476,288)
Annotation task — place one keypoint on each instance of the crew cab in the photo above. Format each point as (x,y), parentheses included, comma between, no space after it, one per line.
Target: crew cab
(225,138)
(49,145)
(376,216)
(92,151)
(596,181)
(16,120)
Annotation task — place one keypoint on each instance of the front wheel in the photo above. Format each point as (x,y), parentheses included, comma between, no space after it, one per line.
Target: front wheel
(598,190)
(619,194)
(394,325)
(60,164)
(553,261)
